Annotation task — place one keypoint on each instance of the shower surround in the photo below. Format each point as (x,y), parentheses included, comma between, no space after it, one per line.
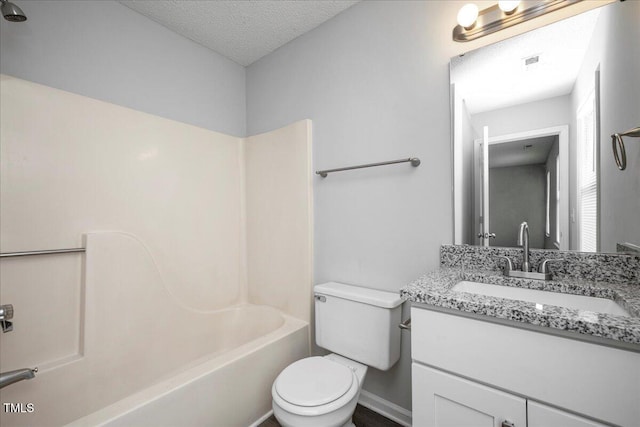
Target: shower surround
(189,234)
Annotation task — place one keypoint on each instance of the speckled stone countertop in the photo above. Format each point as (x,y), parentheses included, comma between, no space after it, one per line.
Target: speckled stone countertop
(435,289)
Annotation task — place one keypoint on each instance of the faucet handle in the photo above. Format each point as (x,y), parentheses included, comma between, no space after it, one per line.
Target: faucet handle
(543,267)
(6,312)
(508,265)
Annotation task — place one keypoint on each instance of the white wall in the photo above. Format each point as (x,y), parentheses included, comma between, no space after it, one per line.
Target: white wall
(519,118)
(615,49)
(106,51)
(620,88)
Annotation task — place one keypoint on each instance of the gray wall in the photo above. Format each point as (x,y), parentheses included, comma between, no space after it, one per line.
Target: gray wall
(517,194)
(615,48)
(104,50)
(375,81)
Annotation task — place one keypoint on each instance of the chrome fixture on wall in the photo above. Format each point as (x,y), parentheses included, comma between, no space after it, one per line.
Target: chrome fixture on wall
(526,271)
(44,252)
(523,240)
(415,162)
(6,314)
(617,143)
(473,24)
(8,378)
(11,12)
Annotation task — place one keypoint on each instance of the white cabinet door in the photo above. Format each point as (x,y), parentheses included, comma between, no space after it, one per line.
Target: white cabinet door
(540,415)
(444,400)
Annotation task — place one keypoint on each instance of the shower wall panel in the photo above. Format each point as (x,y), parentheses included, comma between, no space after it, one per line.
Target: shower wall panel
(279,219)
(71,165)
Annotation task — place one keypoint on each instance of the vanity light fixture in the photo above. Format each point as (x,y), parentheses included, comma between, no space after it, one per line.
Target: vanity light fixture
(508,6)
(467,16)
(503,15)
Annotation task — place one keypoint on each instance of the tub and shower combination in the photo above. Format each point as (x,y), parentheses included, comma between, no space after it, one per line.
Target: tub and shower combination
(195,288)
(145,359)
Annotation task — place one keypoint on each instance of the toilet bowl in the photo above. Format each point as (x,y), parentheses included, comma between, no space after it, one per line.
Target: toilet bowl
(318,392)
(361,326)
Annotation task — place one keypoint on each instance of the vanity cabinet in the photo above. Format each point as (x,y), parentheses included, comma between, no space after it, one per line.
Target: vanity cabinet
(448,400)
(468,371)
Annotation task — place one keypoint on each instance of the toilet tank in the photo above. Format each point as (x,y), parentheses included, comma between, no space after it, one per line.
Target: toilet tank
(359,323)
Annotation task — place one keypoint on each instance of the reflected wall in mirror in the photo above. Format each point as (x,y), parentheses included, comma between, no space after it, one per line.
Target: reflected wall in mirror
(532,119)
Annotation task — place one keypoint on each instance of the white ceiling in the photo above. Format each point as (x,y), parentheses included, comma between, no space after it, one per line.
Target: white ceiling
(243,31)
(494,76)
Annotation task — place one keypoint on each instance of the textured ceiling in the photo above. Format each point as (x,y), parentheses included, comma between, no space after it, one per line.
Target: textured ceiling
(243,31)
(494,76)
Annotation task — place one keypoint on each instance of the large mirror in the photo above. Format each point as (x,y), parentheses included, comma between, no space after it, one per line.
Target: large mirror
(532,118)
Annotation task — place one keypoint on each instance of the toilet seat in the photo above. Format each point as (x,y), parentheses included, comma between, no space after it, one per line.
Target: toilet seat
(314,386)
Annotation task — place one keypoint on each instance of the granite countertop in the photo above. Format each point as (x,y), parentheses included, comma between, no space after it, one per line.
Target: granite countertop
(435,289)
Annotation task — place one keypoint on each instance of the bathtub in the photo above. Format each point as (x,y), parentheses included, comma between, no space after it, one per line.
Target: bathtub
(142,357)
(228,388)
(219,374)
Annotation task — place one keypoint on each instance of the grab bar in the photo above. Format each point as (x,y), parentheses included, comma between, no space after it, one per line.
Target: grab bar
(46,252)
(617,142)
(414,162)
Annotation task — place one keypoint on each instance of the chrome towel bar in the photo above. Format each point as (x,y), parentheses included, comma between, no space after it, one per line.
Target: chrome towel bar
(47,252)
(414,162)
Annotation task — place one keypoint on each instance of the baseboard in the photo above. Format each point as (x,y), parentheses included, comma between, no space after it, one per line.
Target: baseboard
(262,419)
(384,407)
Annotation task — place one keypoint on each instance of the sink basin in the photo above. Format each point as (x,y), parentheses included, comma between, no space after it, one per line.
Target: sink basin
(579,302)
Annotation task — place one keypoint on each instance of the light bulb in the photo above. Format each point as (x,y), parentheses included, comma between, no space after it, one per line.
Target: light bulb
(508,6)
(467,15)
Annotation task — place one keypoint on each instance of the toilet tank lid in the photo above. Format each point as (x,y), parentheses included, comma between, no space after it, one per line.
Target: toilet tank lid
(369,296)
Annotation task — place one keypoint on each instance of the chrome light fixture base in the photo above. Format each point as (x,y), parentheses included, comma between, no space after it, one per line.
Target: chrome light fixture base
(493,19)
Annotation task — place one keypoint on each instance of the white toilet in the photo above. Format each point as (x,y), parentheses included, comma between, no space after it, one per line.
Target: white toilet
(359,324)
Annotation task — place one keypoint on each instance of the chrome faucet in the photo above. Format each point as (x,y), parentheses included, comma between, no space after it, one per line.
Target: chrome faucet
(8,378)
(523,240)
(526,273)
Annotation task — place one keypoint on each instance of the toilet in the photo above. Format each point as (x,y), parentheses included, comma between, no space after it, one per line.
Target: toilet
(360,325)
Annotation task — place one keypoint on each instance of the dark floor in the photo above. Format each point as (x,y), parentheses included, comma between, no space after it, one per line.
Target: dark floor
(363,417)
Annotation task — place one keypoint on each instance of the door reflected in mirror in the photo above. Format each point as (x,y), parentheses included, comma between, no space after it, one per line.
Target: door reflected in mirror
(529,114)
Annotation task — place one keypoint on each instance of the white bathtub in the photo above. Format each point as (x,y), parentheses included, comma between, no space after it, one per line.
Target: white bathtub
(219,373)
(142,357)
(228,388)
